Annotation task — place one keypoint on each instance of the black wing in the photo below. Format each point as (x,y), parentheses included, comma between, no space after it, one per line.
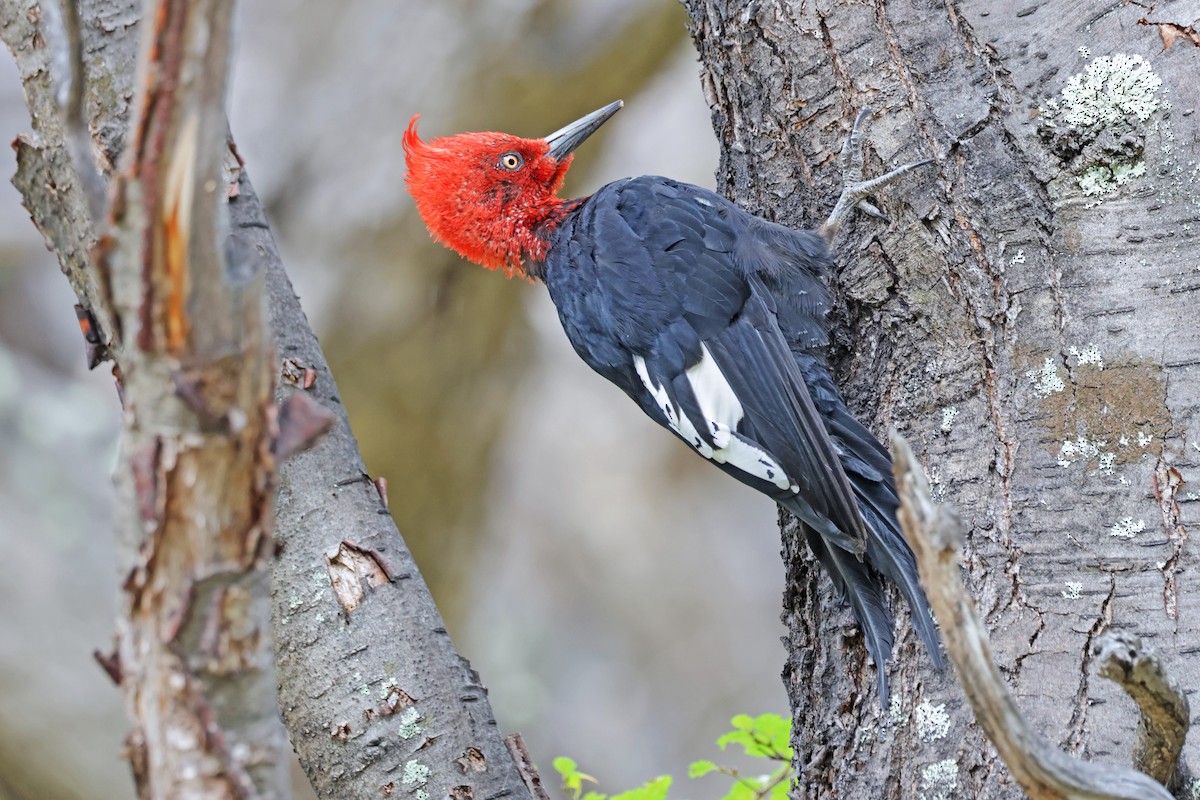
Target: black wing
(793,267)
(667,290)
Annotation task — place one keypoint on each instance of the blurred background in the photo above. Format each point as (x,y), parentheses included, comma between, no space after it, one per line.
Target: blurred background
(619,597)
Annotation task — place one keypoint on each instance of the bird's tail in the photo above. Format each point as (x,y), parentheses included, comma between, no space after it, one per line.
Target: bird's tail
(869,469)
(863,589)
(889,553)
(862,583)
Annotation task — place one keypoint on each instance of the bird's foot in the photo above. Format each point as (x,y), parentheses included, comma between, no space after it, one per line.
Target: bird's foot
(855,190)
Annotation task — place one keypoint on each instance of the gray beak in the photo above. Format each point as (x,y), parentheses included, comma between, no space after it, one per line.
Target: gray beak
(564,140)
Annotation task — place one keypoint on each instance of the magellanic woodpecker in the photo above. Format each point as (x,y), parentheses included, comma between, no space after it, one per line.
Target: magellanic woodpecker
(711,319)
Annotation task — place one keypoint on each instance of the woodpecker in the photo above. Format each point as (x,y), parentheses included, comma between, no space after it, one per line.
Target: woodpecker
(711,319)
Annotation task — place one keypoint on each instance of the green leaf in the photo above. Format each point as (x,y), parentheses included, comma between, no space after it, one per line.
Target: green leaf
(736,737)
(572,779)
(764,736)
(651,790)
(742,789)
(777,731)
(698,769)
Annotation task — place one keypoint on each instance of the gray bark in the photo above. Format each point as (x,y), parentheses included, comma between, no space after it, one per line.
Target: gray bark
(375,697)
(976,323)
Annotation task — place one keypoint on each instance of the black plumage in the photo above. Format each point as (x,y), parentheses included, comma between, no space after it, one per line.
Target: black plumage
(657,282)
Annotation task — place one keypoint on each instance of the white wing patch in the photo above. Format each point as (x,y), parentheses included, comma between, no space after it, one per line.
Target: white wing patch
(722,412)
(678,422)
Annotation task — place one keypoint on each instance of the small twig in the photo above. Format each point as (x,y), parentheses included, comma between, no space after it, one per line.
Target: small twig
(529,774)
(1045,773)
(79,138)
(1165,714)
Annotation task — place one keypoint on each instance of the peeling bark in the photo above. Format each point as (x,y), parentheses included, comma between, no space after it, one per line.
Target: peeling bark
(1033,341)
(188,335)
(377,700)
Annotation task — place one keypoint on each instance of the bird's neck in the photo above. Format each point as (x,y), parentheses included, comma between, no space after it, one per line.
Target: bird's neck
(533,255)
(516,240)
(513,237)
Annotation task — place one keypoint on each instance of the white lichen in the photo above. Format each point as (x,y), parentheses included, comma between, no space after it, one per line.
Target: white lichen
(1107,463)
(1019,258)
(1085,52)
(948,415)
(937,489)
(1144,439)
(1071,451)
(415,773)
(409,723)
(1111,89)
(1127,528)
(1046,381)
(932,721)
(1105,178)
(939,780)
(895,710)
(1089,355)
(1073,591)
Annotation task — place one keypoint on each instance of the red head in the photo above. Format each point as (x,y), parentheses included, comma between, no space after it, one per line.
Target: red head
(493,197)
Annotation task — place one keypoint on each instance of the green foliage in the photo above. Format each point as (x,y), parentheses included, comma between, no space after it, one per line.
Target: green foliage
(766,737)
(573,780)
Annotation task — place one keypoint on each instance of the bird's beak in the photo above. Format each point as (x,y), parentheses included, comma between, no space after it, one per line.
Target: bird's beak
(564,140)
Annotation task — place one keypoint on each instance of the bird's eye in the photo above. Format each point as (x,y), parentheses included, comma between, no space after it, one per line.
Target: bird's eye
(511,161)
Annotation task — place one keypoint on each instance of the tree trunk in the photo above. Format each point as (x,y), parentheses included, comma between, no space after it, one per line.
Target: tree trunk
(194,365)
(1023,320)
(377,700)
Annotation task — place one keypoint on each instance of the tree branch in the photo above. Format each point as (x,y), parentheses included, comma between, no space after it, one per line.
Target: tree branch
(374,695)
(376,699)
(1165,714)
(1046,773)
(197,473)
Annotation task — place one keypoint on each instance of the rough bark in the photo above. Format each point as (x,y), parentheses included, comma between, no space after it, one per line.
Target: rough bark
(377,699)
(1031,340)
(197,472)
(195,371)
(1045,772)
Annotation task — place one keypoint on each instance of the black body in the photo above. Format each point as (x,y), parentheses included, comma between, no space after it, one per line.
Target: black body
(651,277)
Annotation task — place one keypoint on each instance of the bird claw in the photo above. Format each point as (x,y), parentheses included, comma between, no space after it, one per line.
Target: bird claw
(871,210)
(855,190)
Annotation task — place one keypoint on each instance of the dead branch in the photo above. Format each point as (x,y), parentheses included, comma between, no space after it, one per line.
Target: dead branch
(1165,714)
(1046,773)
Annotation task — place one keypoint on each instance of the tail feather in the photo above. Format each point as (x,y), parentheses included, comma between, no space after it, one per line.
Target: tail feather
(869,469)
(863,589)
(888,552)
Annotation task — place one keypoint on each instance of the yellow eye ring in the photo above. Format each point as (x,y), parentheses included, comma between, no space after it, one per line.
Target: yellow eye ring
(511,161)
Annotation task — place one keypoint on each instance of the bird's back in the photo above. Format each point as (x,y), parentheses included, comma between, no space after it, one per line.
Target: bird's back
(655,282)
